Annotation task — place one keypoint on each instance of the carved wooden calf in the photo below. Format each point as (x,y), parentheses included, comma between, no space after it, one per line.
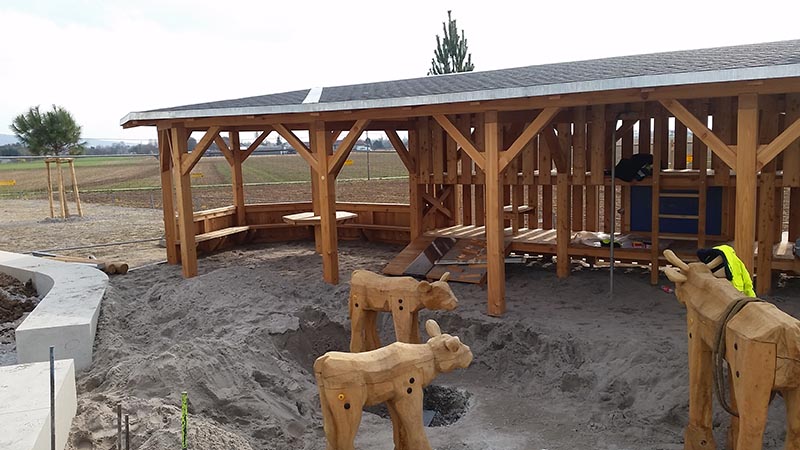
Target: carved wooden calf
(762,349)
(394,375)
(404,297)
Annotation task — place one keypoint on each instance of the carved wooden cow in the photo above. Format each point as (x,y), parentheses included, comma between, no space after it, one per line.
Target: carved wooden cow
(394,375)
(762,349)
(404,297)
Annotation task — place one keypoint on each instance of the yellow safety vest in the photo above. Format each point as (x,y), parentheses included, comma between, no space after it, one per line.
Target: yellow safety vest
(741,277)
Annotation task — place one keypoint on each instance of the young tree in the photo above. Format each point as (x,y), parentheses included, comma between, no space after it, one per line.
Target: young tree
(451,53)
(53,132)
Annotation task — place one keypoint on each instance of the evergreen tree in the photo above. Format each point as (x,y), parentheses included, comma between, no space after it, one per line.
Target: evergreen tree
(50,133)
(451,53)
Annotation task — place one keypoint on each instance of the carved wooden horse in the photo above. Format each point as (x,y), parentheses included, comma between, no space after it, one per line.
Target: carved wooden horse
(394,375)
(404,297)
(762,349)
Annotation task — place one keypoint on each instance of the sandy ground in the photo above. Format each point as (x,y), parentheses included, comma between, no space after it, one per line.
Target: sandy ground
(567,367)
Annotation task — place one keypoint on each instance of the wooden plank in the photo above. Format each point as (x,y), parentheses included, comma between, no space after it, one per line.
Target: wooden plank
(298,145)
(592,210)
(700,162)
(529,163)
(480,209)
(417,204)
(340,156)
(563,227)
(547,207)
(577,208)
(254,145)
(679,153)
(660,130)
(579,147)
(777,145)
(327,202)
(401,150)
(598,144)
(645,129)
(545,161)
(625,190)
(223,148)
(189,160)
(479,138)
(746,143)
(608,213)
(438,152)
(237,178)
(495,239)
(397,266)
(462,140)
(537,125)
(701,131)
(791,169)
(451,160)
(425,153)
(558,150)
(724,126)
(463,124)
(767,212)
(183,195)
(167,205)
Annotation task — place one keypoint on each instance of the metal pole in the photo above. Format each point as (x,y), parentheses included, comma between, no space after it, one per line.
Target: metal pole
(52,398)
(127,432)
(613,203)
(119,426)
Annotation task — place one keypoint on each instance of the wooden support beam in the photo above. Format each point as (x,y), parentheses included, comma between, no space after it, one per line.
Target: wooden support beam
(746,143)
(660,146)
(463,141)
(770,151)
(167,203)
(299,146)
(183,188)
(625,126)
(416,203)
(767,216)
(557,153)
(337,160)
(189,160)
(322,148)
(538,124)
(438,203)
(598,139)
(563,227)
(495,238)
(701,131)
(700,162)
(579,147)
(254,145)
(237,178)
(223,148)
(401,150)
(791,169)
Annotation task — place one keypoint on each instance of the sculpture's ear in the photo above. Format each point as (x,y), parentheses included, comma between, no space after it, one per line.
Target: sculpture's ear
(445,277)
(432,328)
(453,344)
(424,287)
(674,275)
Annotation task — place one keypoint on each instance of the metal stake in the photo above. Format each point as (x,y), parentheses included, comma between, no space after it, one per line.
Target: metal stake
(52,398)
(127,432)
(119,426)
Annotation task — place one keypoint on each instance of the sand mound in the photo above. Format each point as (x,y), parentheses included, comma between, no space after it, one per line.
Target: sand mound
(566,368)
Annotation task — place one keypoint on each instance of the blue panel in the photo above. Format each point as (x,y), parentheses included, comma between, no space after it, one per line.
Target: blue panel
(641,206)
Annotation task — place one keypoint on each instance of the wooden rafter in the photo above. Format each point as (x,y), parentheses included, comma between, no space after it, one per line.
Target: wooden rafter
(767,153)
(223,148)
(541,121)
(465,143)
(701,131)
(298,145)
(340,156)
(261,137)
(401,150)
(189,160)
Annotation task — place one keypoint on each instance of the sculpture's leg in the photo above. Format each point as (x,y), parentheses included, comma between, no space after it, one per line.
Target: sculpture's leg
(408,407)
(753,365)
(402,326)
(345,416)
(792,399)
(415,339)
(733,429)
(357,324)
(373,341)
(400,434)
(698,434)
(328,425)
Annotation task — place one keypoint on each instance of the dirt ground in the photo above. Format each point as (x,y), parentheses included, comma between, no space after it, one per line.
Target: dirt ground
(568,366)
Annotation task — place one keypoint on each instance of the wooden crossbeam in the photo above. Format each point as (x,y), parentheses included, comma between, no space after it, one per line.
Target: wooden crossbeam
(223,148)
(701,131)
(298,145)
(438,203)
(189,160)
(401,150)
(626,125)
(253,146)
(541,121)
(557,153)
(465,143)
(768,152)
(336,162)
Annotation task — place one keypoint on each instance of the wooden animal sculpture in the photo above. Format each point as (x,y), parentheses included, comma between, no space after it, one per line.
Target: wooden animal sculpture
(394,375)
(404,297)
(761,345)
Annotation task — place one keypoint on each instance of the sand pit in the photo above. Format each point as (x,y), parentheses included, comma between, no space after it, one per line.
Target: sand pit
(16,300)
(566,368)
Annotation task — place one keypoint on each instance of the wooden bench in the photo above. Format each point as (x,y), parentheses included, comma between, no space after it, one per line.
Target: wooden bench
(220,233)
(514,216)
(373,226)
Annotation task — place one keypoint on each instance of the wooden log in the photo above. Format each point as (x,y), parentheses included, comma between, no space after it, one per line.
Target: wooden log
(495,239)
(237,178)
(75,191)
(327,203)
(747,144)
(563,231)
(183,195)
(167,203)
(62,196)
(50,189)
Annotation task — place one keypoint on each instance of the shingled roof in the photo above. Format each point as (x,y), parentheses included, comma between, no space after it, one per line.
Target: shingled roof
(712,65)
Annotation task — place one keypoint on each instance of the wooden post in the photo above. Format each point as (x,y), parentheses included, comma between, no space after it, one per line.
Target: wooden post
(50,188)
(700,162)
(183,188)
(660,144)
(495,238)
(75,187)
(167,206)
(767,210)
(62,195)
(563,227)
(416,203)
(746,145)
(327,203)
(238,181)
(791,169)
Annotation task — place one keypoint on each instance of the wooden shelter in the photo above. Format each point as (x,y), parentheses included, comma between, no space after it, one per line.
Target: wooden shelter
(520,158)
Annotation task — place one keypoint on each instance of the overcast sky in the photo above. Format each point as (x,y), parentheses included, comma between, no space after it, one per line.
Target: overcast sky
(101,59)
